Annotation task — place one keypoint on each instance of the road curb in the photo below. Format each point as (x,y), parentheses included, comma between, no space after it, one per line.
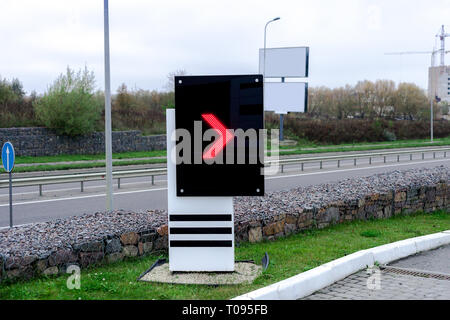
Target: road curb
(308,282)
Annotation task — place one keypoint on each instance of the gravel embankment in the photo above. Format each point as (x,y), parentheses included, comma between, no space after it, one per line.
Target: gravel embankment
(41,239)
(319,196)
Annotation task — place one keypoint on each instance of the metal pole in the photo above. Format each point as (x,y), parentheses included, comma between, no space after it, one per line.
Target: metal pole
(431,119)
(108,135)
(282,120)
(264,64)
(10,201)
(281,126)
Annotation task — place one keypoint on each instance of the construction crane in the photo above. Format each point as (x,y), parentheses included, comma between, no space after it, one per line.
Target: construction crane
(432,53)
(442,35)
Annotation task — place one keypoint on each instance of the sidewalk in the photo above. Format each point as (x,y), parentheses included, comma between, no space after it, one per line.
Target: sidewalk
(425,276)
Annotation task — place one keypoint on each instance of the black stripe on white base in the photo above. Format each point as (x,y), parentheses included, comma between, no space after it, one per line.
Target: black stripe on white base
(201,243)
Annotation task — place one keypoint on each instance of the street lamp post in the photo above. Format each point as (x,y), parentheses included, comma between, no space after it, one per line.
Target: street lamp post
(264,73)
(108,135)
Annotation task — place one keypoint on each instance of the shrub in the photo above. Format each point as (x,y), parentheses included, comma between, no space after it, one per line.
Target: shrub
(69,106)
(16,110)
(140,109)
(389,136)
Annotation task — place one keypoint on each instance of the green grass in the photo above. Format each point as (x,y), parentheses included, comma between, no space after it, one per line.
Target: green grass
(70,158)
(288,257)
(83,165)
(370,233)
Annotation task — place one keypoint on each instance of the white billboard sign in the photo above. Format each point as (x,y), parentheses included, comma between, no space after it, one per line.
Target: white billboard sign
(284,62)
(284,97)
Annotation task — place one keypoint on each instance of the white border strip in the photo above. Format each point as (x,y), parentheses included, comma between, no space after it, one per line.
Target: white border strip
(308,282)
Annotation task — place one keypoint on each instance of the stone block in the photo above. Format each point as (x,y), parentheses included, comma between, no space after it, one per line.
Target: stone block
(147,237)
(161,243)
(290,228)
(41,265)
(92,246)
(255,234)
(62,256)
(19,262)
(163,230)
(25,273)
(51,271)
(145,247)
(400,196)
(90,258)
(273,228)
(130,238)
(291,219)
(113,245)
(130,251)
(114,257)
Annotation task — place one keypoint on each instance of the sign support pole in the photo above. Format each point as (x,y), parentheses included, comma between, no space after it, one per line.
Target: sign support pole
(281,126)
(108,134)
(281,120)
(8,158)
(10,201)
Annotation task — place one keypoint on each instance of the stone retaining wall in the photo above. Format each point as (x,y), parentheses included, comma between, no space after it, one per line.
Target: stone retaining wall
(44,142)
(117,247)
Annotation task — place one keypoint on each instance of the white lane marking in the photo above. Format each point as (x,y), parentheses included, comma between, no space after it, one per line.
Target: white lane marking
(270,178)
(18,225)
(82,197)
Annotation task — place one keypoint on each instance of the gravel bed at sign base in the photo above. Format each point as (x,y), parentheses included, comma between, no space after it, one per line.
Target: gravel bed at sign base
(49,247)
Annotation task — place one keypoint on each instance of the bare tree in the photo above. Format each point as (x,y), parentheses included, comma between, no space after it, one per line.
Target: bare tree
(365,93)
(384,92)
(170,85)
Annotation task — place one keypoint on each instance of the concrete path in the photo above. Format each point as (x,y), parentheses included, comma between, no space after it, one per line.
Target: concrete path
(425,276)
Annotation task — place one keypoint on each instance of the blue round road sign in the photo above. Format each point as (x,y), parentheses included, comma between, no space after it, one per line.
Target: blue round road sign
(8,156)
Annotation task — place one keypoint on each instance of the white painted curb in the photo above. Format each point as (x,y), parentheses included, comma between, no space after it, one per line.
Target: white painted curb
(308,282)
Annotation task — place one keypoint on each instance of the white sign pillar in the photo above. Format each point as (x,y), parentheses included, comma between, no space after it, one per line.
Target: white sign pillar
(201,229)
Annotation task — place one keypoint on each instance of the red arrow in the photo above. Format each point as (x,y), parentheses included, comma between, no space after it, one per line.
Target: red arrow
(220,143)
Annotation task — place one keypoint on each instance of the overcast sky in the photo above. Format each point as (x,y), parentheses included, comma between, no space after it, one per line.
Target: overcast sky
(149,39)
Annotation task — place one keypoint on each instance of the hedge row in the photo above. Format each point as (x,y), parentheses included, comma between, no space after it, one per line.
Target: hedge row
(357,130)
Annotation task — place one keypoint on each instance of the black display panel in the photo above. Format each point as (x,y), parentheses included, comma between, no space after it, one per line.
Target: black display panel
(220,103)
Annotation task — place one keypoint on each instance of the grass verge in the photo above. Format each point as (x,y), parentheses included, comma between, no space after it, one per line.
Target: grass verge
(68,166)
(289,256)
(78,157)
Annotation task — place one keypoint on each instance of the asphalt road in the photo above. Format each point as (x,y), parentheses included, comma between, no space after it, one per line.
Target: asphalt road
(64,200)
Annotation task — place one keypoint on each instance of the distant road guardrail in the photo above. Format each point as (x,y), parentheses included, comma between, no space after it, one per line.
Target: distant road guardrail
(370,156)
(153,172)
